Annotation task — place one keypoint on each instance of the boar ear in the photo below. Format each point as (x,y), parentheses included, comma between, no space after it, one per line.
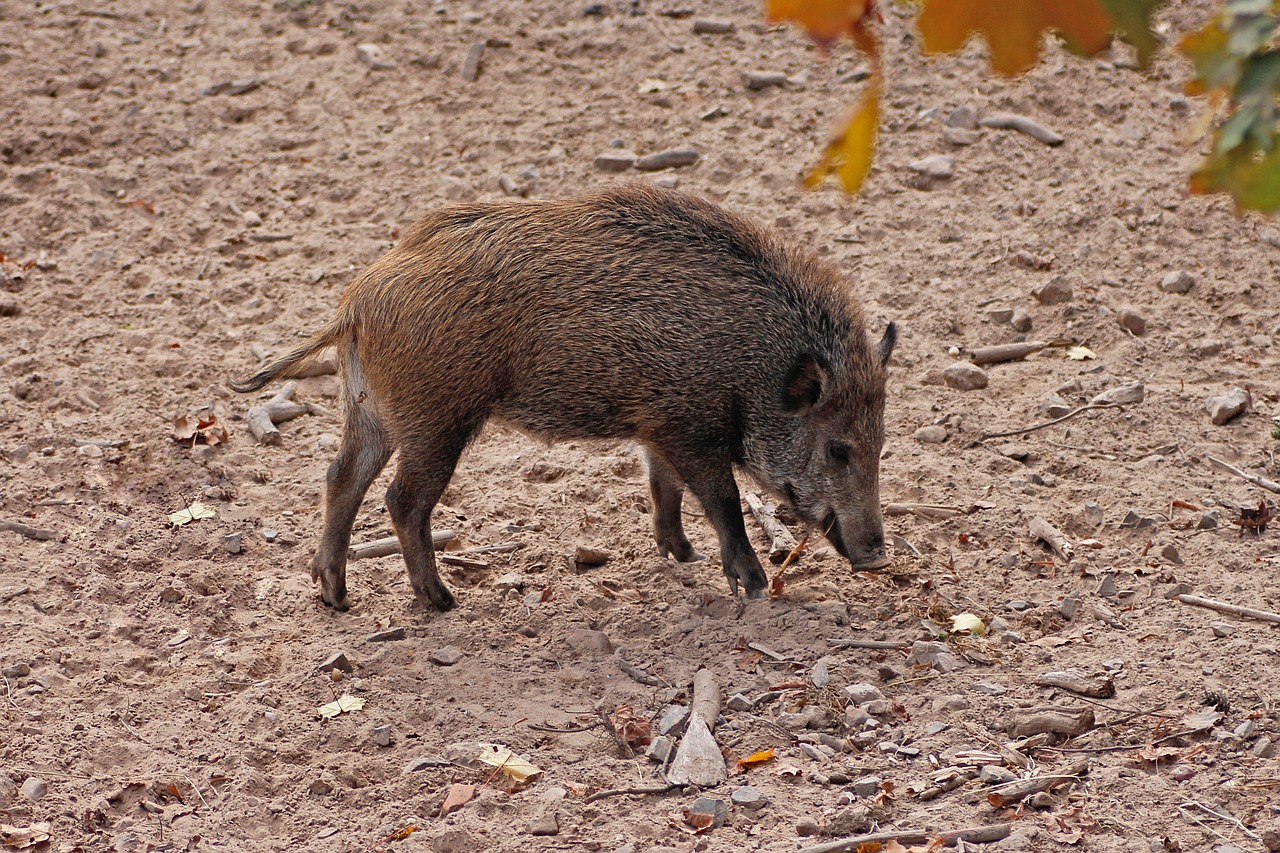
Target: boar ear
(885,348)
(802,387)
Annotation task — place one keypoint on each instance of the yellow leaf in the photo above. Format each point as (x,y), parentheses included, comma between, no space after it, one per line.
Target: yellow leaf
(341,706)
(967,623)
(756,758)
(190,514)
(519,769)
(824,20)
(1080,353)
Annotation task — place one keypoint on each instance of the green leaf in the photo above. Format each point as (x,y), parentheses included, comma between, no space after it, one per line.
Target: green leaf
(1250,174)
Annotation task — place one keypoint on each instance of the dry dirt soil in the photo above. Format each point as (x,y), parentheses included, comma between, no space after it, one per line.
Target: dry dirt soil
(186,188)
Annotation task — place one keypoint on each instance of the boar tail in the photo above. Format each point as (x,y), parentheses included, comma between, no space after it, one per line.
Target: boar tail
(292,362)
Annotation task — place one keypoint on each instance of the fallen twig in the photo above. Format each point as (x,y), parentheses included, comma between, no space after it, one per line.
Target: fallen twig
(853,842)
(28,532)
(1018,790)
(868,644)
(389,545)
(1233,609)
(624,748)
(781,542)
(14,593)
(932,512)
(638,789)
(1100,687)
(698,760)
(262,418)
(1221,816)
(1052,536)
(195,788)
(1006,352)
(1024,125)
(586,727)
(976,835)
(638,674)
(1269,485)
(1067,416)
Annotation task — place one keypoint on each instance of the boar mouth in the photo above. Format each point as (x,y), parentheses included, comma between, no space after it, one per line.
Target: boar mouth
(867,561)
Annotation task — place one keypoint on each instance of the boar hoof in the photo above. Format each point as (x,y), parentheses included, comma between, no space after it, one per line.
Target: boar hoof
(871,565)
(681,552)
(342,604)
(437,599)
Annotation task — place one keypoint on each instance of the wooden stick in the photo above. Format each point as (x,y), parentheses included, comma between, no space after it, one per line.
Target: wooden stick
(933,512)
(1100,687)
(262,418)
(28,532)
(698,759)
(1233,609)
(781,542)
(1041,529)
(638,674)
(1072,722)
(706,698)
(639,789)
(1024,125)
(1006,352)
(868,644)
(853,842)
(976,835)
(1269,485)
(985,436)
(1018,790)
(389,545)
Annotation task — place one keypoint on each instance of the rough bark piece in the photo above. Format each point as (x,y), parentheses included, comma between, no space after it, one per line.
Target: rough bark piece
(1006,352)
(781,542)
(1014,792)
(1072,722)
(262,418)
(1051,536)
(1099,687)
(389,545)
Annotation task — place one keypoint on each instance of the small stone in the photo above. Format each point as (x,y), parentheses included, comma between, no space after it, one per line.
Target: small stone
(673,720)
(390,635)
(935,655)
(994,774)
(667,182)
(1132,392)
(1169,553)
(1222,629)
(739,702)
(708,807)
(867,786)
(374,57)
(748,798)
(615,161)
(862,692)
(1245,730)
(1000,315)
(1132,321)
(16,670)
(1069,606)
(807,826)
(547,824)
(320,787)
(269,535)
(660,749)
(1180,281)
(33,789)
(1021,320)
(963,376)
(231,544)
(712,27)
(1224,407)
(757,80)
(959,136)
(586,641)
(511,581)
(933,434)
(964,117)
(381,736)
(471,62)
(9,306)
(1181,772)
(988,688)
(584,556)
(1263,747)
(937,167)
(1041,800)
(337,661)
(673,159)
(447,656)
(251,219)
(527,631)
(1208,520)
(1056,291)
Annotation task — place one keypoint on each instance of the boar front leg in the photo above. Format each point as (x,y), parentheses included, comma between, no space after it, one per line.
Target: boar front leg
(668,494)
(711,481)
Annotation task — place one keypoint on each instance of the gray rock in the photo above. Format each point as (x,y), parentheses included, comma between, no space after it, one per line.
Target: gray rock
(748,798)
(938,167)
(381,736)
(510,581)
(16,670)
(374,57)
(935,655)
(713,807)
(1070,605)
(587,642)
(615,161)
(994,774)
(867,786)
(1131,392)
(958,136)
(661,749)
(390,635)
(1180,281)
(964,376)
(337,660)
(1133,521)
(471,62)
(933,434)
(231,544)
(1054,292)
(807,826)
(269,535)
(673,720)
(709,26)
(1132,321)
(1021,320)
(757,80)
(1224,407)
(547,824)
(667,182)
(1000,315)
(673,159)
(1169,553)
(1018,605)
(33,789)
(739,702)
(447,656)
(1263,747)
(862,693)
(989,688)
(1208,520)
(964,117)
(1222,629)
(586,556)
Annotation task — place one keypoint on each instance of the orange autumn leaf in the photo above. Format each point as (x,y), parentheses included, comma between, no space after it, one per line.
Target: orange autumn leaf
(755,758)
(824,20)
(848,157)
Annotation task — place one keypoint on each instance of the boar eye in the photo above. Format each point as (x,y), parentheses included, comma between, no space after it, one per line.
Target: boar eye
(838,451)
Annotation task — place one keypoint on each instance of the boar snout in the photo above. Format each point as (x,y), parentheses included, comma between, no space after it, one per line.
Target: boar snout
(862,544)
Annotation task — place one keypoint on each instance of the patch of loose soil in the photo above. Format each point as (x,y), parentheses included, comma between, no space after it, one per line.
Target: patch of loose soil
(164,691)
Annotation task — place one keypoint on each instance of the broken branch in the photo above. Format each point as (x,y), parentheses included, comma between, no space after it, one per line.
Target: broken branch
(1019,790)
(1263,482)
(698,759)
(1233,609)
(28,532)
(389,545)
(1067,416)
(262,418)
(781,542)
(1052,536)
(639,789)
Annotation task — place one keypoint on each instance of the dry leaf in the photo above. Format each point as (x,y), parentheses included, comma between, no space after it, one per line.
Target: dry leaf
(341,706)
(459,795)
(518,769)
(788,770)
(635,731)
(189,514)
(1202,720)
(21,837)
(402,833)
(1080,353)
(749,661)
(202,427)
(755,758)
(967,623)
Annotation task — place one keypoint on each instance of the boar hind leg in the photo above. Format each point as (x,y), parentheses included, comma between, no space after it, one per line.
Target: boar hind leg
(668,493)
(364,453)
(414,492)
(713,484)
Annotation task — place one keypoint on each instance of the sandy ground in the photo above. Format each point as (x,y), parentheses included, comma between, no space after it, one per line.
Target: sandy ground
(185,189)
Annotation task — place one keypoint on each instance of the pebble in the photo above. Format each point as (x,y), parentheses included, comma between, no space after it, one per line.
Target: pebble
(1180,281)
(964,117)
(935,655)
(660,749)
(510,581)
(994,774)
(713,807)
(1133,521)
(320,787)
(820,674)
(952,702)
(337,660)
(713,27)
(959,136)
(381,736)
(757,80)
(1021,320)
(232,544)
(1169,553)
(964,376)
(1181,772)
(532,599)
(586,641)
(739,702)
(807,826)
(862,692)
(1263,747)
(867,786)
(1132,321)
(447,656)
(33,789)
(989,688)
(1208,520)
(1055,407)
(591,557)
(374,57)
(1132,392)
(673,720)
(1222,629)
(938,167)
(1054,292)
(251,219)
(932,434)
(548,824)
(748,798)
(615,161)
(9,306)
(672,159)
(471,63)
(1224,407)
(390,635)
(667,182)
(269,535)
(16,670)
